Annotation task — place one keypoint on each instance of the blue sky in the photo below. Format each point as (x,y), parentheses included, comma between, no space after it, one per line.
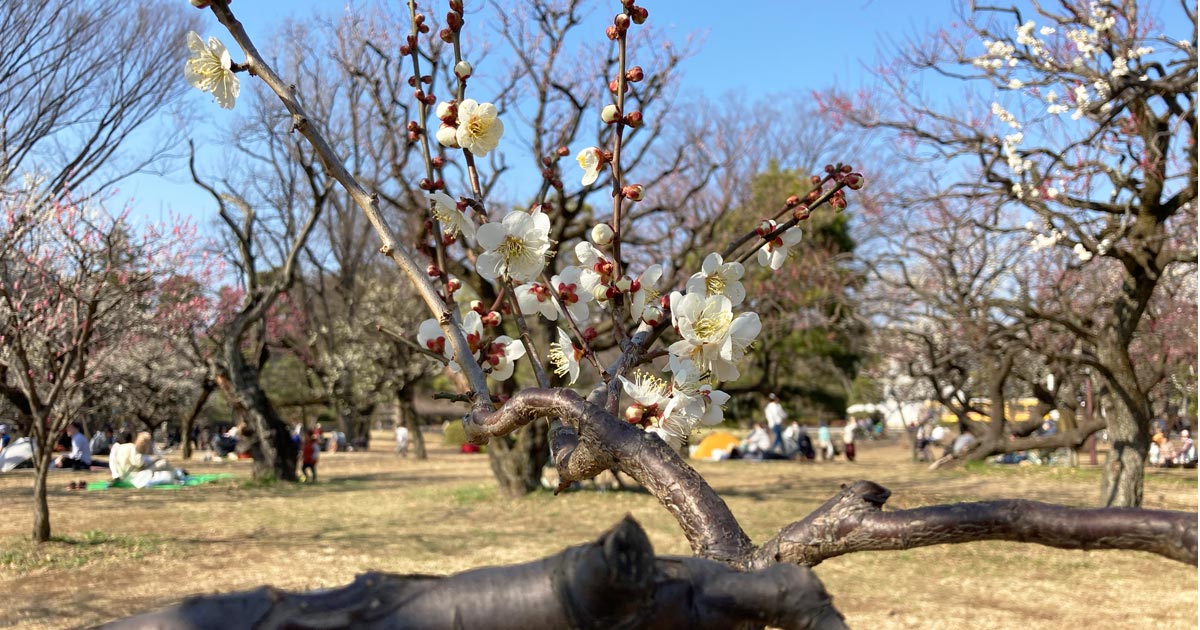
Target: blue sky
(754,48)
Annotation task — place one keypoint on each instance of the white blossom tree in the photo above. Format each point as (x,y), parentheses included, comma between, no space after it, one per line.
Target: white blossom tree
(690,332)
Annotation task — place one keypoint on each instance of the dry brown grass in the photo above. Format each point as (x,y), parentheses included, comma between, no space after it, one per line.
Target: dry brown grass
(120,552)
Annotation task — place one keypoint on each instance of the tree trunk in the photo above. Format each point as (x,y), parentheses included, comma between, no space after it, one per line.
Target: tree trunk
(1128,430)
(186,427)
(517,460)
(269,438)
(41,507)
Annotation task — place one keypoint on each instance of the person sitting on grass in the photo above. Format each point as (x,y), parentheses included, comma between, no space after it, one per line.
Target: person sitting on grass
(80,457)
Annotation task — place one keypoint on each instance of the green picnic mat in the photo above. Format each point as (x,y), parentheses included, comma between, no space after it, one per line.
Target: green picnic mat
(191,480)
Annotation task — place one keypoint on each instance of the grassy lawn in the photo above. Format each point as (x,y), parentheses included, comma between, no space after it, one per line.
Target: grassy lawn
(117,552)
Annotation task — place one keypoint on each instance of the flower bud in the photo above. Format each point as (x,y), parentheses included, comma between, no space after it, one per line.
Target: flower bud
(633,413)
(610,114)
(563,151)
(447,136)
(634,192)
(446,111)
(635,74)
(456,6)
(602,234)
(612,32)
(453,284)
(445,35)
(854,181)
(765,227)
(838,202)
(621,21)
(477,306)
(438,161)
(454,21)
(492,319)
(801,213)
(633,119)
(433,271)
(462,69)
(793,201)
(652,315)
(639,15)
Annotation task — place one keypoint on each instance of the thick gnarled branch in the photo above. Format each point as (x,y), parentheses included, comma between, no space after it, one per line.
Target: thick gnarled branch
(615,581)
(854,520)
(709,526)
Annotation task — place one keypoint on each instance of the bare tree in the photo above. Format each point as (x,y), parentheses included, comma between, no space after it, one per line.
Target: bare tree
(1082,122)
(78,80)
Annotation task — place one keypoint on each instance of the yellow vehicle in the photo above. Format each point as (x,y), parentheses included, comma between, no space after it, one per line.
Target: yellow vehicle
(1019,410)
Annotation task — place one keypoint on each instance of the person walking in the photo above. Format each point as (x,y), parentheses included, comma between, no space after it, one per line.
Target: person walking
(402,440)
(309,454)
(775,417)
(848,440)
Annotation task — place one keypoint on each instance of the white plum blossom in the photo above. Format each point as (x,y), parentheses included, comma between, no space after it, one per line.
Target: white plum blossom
(590,160)
(644,288)
(595,270)
(647,390)
(446,211)
(775,252)
(712,337)
(694,400)
(209,69)
(463,69)
(571,292)
(479,127)
(717,277)
(515,248)
(534,298)
(502,355)
(431,337)
(564,357)
(537,298)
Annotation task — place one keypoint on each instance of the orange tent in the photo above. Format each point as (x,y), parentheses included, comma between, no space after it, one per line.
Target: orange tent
(717,440)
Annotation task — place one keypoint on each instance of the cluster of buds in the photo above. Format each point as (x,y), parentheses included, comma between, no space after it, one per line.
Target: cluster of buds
(844,174)
(419,23)
(633,75)
(454,24)
(643,416)
(633,14)
(431,185)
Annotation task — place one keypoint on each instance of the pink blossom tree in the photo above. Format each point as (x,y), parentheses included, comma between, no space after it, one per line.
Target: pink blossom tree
(77,286)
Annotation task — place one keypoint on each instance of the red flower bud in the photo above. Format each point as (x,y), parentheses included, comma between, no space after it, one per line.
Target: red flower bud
(492,319)
(793,201)
(433,271)
(635,74)
(801,213)
(453,284)
(639,15)
(855,181)
(612,33)
(438,161)
(633,119)
(634,192)
(563,151)
(621,21)
(445,35)
(477,306)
